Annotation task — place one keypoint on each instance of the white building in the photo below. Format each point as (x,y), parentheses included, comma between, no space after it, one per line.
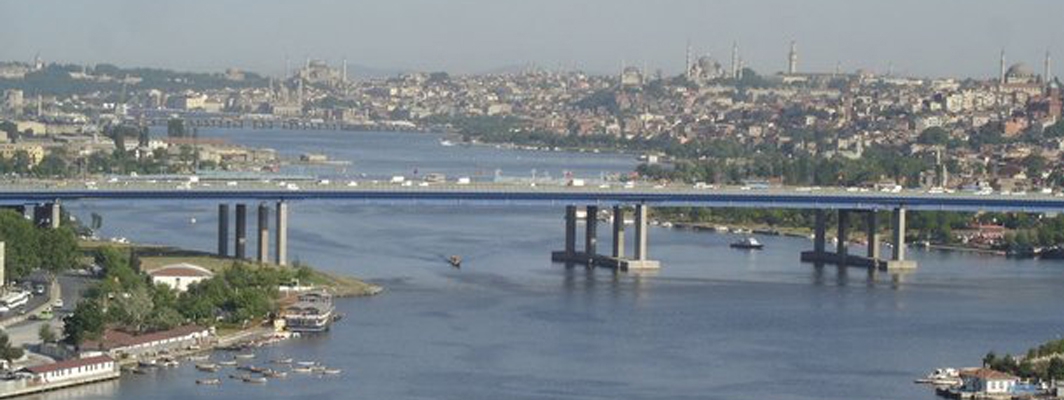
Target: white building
(179,276)
(78,369)
(987,381)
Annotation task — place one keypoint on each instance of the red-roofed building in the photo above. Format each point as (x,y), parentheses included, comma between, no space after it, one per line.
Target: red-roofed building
(179,276)
(117,343)
(987,381)
(78,369)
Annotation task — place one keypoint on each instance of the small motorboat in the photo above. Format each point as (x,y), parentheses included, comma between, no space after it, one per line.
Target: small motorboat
(245,356)
(207,367)
(455,261)
(148,364)
(255,379)
(302,370)
(287,360)
(332,371)
(227,363)
(212,381)
(748,243)
(275,374)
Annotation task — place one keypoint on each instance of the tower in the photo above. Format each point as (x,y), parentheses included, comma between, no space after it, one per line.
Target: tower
(345,71)
(1001,78)
(687,61)
(1048,69)
(735,60)
(792,59)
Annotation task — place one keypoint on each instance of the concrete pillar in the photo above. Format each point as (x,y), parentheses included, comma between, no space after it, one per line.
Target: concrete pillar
(3,256)
(55,216)
(899,234)
(618,232)
(240,244)
(223,230)
(570,230)
(591,232)
(281,245)
(640,232)
(820,232)
(843,234)
(873,235)
(264,233)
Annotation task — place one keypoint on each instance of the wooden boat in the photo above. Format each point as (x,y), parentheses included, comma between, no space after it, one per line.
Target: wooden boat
(275,374)
(254,379)
(227,363)
(208,367)
(455,261)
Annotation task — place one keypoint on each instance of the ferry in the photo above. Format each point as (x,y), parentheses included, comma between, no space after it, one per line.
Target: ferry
(749,243)
(313,312)
(942,377)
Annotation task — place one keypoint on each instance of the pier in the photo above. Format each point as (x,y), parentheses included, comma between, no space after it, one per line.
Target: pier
(872,257)
(618,258)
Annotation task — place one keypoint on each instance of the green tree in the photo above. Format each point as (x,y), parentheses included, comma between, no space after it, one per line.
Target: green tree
(87,322)
(934,136)
(47,334)
(9,352)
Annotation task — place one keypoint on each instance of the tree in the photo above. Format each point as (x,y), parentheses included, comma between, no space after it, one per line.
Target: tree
(46,334)
(175,128)
(1055,369)
(85,323)
(934,136)
(59,249)
(9,352)
(22,244)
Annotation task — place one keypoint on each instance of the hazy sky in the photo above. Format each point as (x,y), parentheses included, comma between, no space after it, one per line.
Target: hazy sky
(920,37)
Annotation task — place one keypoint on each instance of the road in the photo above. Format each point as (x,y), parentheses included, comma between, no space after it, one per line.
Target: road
(72,289)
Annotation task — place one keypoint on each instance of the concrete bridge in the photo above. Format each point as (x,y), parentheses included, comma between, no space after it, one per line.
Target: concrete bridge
(48,195)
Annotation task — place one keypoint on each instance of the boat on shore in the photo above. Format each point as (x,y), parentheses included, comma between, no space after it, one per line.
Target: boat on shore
(748,243)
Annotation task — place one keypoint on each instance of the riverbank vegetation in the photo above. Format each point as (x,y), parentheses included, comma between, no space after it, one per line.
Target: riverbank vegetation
(238,295)
(1021,232)
(29,248)
(1045,362)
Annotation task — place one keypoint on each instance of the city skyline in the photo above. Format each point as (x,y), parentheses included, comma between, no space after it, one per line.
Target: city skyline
(474,36)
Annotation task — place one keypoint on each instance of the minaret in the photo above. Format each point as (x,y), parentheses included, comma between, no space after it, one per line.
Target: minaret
(1048,73)
(735,60)
(792,59)
(1001,78)
(687,62)
(345,71)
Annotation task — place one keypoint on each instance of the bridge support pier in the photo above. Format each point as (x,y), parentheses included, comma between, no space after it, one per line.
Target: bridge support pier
(264,233)
(590,256)
(223,230)
(873,259)
(240,244)
(872,224)
(843,234)
(618,232)
(898,261)
(47,215)
(591,234)
(281,245)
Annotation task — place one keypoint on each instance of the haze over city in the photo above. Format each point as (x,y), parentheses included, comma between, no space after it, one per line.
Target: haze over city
(916,37)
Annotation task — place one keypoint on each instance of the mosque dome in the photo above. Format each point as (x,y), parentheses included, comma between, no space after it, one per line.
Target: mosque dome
(1020,71)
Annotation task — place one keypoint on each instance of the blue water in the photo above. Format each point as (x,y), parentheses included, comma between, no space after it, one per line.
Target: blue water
(713,323)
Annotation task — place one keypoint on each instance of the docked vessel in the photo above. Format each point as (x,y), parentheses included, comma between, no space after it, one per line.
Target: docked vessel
(312,312)
(942,377)
(748,243)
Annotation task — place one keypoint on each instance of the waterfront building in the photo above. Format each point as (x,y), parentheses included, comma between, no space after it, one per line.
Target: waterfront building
(119,344)
(73,370)
(987,381)
(179,276)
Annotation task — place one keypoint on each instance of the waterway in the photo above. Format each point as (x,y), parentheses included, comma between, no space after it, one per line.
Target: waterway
(714,323)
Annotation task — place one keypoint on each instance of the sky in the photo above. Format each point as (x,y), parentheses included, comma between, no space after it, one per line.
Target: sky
(935,38)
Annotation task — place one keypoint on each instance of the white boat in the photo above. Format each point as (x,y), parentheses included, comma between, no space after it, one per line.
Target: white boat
(942,377)
(446,143)
(749,243)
